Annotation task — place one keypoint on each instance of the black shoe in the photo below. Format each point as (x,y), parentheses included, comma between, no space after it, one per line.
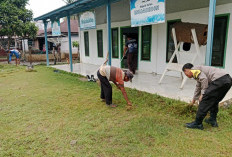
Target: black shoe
(92,78)
(88,78)
(212,122)
(194,125)
(188,123)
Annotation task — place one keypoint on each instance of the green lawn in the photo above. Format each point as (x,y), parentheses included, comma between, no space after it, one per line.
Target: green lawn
(45,113)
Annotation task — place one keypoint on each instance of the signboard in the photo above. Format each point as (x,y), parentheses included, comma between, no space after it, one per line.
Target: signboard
(146,12)
(87,20)
(56,28)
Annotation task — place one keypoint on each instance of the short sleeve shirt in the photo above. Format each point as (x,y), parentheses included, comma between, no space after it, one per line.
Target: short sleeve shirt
(116,75)
(15,52)
(132,46)
(112,73)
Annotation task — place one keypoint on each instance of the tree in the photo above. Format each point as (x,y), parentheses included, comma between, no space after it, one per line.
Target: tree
(69,1)
(15,20)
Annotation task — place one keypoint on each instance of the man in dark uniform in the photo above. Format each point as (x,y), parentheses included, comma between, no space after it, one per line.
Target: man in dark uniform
(132,56)
(212,86)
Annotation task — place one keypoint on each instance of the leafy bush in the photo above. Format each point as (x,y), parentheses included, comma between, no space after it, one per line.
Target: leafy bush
(75,44)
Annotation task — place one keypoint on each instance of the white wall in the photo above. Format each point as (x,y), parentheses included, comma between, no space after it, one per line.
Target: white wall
(65,45)
(159,35)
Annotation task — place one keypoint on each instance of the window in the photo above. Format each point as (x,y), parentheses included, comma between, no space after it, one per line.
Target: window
(100,43)
(146,43)
(219,40)
(170,43)
(31,43)
(86,39)
(115,53)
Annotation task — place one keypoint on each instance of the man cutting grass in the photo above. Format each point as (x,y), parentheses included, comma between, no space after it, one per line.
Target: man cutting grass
(17,55)
(108,73)
(212,86)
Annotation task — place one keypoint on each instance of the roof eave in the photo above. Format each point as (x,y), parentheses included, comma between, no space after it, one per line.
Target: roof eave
(64,8)
(78,6)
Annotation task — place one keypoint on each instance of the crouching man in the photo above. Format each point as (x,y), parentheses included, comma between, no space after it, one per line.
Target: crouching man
(117,76)
(17,55)
(212,86)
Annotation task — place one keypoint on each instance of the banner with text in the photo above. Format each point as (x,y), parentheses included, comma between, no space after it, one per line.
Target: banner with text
(146,12)
(87,20)
(56,28)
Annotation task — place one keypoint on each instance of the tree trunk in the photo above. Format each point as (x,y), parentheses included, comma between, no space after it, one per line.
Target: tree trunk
(30,57)
(1,38)
(9,42)
(15,43)
(8,47)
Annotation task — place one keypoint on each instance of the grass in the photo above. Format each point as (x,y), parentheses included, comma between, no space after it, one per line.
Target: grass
(47,113)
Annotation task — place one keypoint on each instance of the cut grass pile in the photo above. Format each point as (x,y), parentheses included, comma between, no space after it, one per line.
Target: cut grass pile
(47,113)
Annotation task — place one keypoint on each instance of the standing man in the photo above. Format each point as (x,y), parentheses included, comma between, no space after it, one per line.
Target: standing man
(59,52)
(132,56)
(108,73)
(54,52)
(212,86)
(17,55)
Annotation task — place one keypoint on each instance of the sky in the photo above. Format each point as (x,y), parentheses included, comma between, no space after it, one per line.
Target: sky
(40,7)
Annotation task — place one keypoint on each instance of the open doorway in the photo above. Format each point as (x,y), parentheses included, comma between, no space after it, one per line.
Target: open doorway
(134,33)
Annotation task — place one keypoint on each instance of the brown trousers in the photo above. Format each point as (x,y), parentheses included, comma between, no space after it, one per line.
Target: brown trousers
(132,59)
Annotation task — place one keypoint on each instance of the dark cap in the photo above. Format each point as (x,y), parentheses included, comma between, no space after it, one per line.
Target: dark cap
(129,75)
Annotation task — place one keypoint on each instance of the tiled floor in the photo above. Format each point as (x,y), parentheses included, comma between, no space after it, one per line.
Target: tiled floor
(147,82)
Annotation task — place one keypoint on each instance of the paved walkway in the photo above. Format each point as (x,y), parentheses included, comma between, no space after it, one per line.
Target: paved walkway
(147,82)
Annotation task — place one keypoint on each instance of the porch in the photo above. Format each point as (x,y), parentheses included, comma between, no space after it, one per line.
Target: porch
(147,82)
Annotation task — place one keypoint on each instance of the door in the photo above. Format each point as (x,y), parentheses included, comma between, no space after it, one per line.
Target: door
(132,31)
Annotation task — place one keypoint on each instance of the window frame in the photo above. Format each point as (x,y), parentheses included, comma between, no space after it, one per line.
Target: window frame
(226,38)
(116,28)
(85,44)
(167,39)
(141,57)
(100,30)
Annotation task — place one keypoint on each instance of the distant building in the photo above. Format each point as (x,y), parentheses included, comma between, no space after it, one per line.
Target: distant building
(40,41)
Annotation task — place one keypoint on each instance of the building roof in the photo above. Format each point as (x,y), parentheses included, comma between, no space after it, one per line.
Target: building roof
(63,28)
(80,6)
(74,8)
(73,24)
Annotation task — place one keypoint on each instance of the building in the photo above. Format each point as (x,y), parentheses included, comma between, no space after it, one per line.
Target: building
(155,42)
(40,41)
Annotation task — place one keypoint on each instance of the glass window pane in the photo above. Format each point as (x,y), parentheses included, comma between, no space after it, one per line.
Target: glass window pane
(146,43)
(170,42)
(100,43)
(219,39)
(115,49)
(86,39)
